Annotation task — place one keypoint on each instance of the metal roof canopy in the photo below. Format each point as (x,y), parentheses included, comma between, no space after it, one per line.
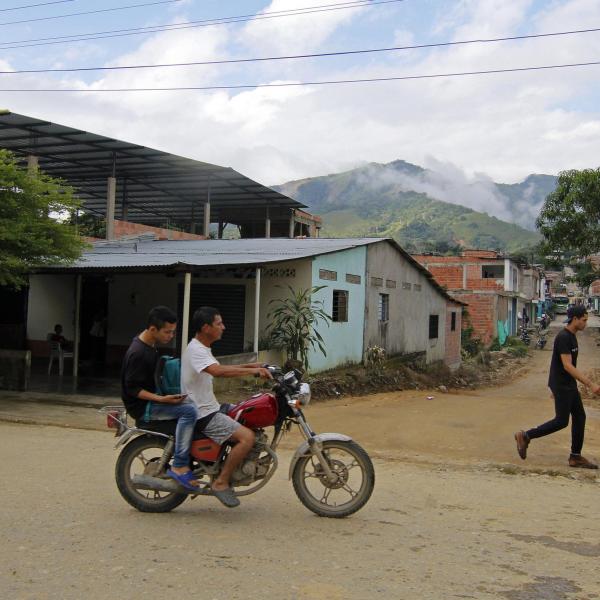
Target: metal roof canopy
(154,187)
(202,256)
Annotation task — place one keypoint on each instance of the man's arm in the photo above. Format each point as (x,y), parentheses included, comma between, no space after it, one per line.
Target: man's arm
(567,363)
(171,399)
(217,370)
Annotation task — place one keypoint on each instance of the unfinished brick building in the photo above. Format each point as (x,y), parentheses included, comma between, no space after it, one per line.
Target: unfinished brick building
(489,283)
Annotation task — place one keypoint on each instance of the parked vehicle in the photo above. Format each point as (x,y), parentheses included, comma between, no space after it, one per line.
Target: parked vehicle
(524,335)
(560,304)
(542,335)
(331,474)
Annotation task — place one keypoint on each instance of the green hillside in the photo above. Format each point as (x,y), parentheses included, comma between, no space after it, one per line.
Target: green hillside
(374,201)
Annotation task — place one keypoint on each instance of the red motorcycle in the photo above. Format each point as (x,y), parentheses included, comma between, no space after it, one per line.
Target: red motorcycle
(331,474)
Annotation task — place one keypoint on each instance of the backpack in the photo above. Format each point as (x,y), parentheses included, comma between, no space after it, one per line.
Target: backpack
(167,376)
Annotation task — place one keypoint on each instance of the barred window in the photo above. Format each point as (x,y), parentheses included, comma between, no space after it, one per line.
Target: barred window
(406,285)
(417,287)
(390,283)
(339,312)
(377,281)
(353,278)
(383,308)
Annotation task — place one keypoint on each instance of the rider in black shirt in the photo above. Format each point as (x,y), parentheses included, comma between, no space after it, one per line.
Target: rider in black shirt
(562,381)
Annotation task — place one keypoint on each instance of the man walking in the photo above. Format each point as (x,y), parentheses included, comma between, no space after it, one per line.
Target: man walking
(144,404)
(198,367)
(562,381)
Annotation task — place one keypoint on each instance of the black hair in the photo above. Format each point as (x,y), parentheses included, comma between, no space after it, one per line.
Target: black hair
(576,311)
(57,326)
(160,315)
(205,315)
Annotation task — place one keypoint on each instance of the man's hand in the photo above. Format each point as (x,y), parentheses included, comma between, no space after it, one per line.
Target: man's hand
(173,398)
(263,373)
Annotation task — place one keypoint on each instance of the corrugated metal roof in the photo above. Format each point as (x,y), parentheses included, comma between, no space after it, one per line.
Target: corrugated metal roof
(153,186)
(208,253)
(144,255)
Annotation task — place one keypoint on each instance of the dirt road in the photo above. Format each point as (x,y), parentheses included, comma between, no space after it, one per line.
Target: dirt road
(455,513)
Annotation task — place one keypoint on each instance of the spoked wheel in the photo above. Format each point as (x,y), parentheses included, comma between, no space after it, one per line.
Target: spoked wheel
(141,457)
(347,492)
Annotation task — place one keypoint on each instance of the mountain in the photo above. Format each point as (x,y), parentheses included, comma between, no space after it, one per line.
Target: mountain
(425,209)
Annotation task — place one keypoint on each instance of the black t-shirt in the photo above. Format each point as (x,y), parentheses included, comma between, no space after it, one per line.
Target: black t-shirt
(564,343)
(137,374)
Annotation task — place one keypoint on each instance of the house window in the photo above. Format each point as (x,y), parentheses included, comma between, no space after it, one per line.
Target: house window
(339,312)
(352,278)
(406,285)
(434,323)
(383,308)
(492,271)
(453,322)
(329,275)
(417,287)
(390,283)
(377,281)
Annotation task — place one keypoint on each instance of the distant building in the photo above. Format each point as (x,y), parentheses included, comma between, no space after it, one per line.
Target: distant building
(495,288)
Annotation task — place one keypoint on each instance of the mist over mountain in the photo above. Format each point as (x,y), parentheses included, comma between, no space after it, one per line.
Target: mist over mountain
(424,208)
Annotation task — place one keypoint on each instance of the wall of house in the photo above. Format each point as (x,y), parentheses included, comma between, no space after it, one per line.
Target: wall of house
(452,356)
(275,279)
(412,299)
(343,341)
(483,313)
(51,301)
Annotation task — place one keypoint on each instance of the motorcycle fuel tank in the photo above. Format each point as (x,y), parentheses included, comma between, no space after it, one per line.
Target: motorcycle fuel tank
(258,411)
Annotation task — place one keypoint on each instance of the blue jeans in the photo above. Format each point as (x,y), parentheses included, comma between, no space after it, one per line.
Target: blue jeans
(186,415)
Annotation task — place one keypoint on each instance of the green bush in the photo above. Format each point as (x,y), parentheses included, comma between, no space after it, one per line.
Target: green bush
(495,345)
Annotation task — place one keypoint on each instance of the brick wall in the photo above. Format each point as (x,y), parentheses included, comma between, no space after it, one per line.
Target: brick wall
(482,314)
(452,356)
(448,276)
(595,288)
(125,228)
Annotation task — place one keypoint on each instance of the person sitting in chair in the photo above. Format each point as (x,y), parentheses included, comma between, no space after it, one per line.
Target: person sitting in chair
(57,336)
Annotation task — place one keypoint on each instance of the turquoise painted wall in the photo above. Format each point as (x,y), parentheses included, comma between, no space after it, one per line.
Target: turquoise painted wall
(343,341)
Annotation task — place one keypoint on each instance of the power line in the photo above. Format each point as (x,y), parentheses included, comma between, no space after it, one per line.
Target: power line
(89,12)
(307,83)
(35,5)
(83,37)
(303,56)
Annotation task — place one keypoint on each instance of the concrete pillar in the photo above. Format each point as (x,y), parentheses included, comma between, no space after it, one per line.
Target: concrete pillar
(33,163)
(185,318)
(124,207)
(292,224)
(267,225)
(206,230)
(256,310)
(111,190)
(77,335)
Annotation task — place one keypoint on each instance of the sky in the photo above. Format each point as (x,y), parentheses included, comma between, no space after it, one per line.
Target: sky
(500,126)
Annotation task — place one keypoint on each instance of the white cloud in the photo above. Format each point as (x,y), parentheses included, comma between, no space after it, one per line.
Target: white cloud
(505,125)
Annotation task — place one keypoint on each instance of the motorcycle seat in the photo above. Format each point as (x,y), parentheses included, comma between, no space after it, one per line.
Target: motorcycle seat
(168,427)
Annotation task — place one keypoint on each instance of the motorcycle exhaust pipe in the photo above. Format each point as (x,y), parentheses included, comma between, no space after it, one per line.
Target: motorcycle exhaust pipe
(147,482)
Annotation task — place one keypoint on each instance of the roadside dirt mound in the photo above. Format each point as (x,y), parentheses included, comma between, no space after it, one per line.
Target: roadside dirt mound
(487,368)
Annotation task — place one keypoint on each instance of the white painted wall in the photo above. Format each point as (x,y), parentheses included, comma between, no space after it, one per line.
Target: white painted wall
(51,301)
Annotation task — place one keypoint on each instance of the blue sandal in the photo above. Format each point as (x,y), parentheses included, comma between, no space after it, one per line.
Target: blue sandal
(183,479)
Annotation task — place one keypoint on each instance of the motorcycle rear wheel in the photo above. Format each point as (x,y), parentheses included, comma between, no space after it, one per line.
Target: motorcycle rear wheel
(138,458)
(351,491)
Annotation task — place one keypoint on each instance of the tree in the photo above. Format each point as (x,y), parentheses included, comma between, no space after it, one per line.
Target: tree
(294,321)
(31,231)
(570,217)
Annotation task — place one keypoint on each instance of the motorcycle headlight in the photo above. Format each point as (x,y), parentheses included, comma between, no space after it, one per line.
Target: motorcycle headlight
(303,396)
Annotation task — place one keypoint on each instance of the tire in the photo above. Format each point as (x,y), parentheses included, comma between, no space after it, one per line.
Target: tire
(321,497)
(135,459)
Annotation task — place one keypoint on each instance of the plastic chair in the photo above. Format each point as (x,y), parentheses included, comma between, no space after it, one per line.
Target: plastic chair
(57,352)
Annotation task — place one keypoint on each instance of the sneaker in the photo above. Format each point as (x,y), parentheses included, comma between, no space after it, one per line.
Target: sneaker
(578,461)
(522,443)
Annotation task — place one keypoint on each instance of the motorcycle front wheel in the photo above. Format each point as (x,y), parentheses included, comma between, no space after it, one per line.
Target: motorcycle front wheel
(141,457)
(351,489)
